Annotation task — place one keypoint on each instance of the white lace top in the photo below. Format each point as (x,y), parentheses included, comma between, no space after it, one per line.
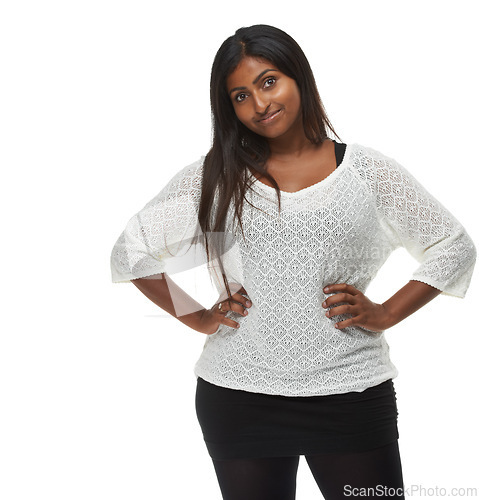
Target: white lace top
(339,230)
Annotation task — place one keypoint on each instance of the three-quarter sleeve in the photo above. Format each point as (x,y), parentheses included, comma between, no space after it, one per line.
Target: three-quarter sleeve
(420,223)
(162,231)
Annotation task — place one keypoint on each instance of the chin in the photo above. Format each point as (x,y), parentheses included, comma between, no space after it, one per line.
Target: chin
(270,134)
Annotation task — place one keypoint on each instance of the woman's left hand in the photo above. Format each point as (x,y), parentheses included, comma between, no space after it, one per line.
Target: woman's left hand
(364,312)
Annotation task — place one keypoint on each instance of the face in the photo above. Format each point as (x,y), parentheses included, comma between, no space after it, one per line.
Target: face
(265,100)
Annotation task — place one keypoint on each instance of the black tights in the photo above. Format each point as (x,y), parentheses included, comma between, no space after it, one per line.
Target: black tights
(338,475)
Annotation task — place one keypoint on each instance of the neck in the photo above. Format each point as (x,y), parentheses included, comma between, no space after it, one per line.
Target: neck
(296,146)
(292,144)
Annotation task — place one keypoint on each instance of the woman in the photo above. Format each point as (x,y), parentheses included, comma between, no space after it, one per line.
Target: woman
(294,226)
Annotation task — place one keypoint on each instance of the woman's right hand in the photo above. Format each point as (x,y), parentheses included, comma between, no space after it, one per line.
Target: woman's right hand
(211,319)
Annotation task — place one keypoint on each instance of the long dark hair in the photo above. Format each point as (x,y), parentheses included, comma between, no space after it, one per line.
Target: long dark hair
(235,147)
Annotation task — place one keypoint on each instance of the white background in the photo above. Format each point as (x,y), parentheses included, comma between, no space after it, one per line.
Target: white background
(102,103)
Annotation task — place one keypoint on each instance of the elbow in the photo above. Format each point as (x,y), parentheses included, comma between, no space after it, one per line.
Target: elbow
(449,265)
(470,251)
(467,264)
(461,248)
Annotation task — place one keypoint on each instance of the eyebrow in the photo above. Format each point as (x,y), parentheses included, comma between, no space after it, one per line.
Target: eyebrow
(255,81)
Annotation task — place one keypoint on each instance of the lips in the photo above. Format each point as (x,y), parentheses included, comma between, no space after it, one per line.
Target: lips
(269,117)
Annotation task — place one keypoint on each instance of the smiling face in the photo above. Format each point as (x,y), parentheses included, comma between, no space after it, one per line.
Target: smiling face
(265,100)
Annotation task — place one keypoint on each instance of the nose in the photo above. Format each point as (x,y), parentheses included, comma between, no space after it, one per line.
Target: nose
(261,103)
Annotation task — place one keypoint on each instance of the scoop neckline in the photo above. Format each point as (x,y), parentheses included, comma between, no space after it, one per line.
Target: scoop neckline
(322,182)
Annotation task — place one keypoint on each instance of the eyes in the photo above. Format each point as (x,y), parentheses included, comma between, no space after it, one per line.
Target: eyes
(268,82)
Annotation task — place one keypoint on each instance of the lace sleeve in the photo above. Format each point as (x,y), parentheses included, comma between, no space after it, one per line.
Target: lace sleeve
(428,231)
(161,230)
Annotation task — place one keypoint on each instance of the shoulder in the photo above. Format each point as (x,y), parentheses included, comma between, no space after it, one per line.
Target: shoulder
(381,173)
(369,155)
(189,176)
(184,185)
(375,166)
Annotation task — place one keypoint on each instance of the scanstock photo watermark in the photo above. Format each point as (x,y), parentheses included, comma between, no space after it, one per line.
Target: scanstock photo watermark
(414,490)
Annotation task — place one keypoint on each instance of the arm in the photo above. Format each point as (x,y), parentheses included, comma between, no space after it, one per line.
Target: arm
(408,300)
(411,217)
(153,244)
(158,237)
(372,316)
(167,295)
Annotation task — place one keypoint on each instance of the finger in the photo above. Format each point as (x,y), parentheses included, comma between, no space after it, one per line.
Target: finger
(345,323)
(242,300)
(341,287)
(229,322)
(339,297)
(237,294)
(232,306)
(221,307)
(226,303)
(236,297)
(336,311)
(236,287)
(238,308)
(222,318)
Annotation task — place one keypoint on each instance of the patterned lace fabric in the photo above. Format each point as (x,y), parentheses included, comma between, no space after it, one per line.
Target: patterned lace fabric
(339,230)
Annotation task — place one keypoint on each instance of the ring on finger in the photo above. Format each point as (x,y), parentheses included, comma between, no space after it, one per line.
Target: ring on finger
(219,307)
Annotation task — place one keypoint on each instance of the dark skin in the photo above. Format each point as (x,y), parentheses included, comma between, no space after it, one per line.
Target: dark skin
(296,163)
(276,92)
(165,293)
(268,102)
(373,316)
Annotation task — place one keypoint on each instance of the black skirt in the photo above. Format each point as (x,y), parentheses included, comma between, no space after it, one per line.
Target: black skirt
(241,424)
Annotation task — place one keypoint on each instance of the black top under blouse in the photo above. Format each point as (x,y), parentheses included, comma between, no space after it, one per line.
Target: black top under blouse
(339,150)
